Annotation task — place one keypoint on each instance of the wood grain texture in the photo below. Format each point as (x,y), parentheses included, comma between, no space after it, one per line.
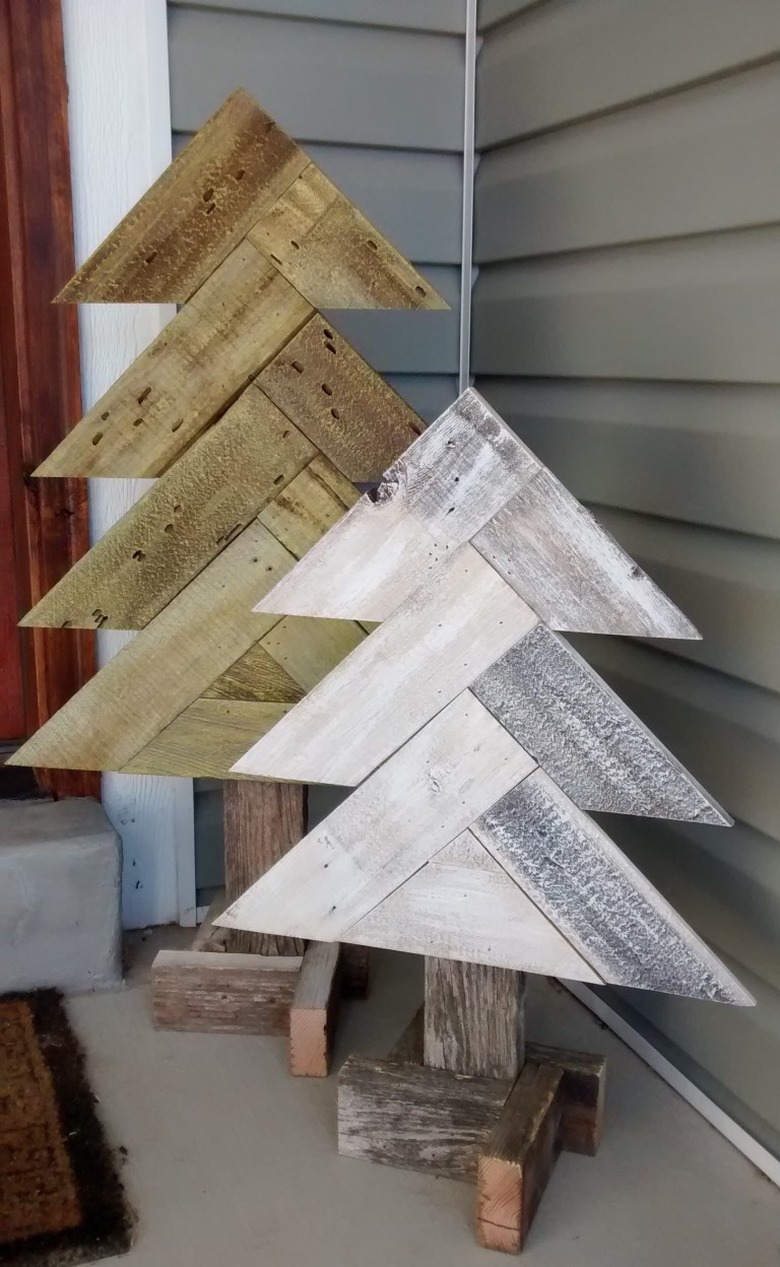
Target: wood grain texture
(517,1159)
(583,1087)
(417,1118)
(601,903)
(215,489)
(448,631)
(469,909)
(571,570)
(202,742)
(208,937)
(332,254)
(262,822)
(307,649)
(585,737)
(167,665)
(223,993)
(231,327)
(45,526)
(419,800)
(229,174)
(345,408)
(474,1019)
(311,504)
(313,1010)
(450,481)
(255,676)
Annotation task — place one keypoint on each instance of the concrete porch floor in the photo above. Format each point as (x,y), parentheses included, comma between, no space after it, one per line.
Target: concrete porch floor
(232,1161)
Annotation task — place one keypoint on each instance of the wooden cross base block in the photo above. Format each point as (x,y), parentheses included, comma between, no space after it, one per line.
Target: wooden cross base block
(501,1129)
(249,983)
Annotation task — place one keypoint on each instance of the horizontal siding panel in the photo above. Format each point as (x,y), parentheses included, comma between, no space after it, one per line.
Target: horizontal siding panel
(725,731)
(564,61)
(699,161)
(728,585)
(701,309)
(686,451)
(321,81)
(489,12)
(421,15)
(428,394)
(408,342)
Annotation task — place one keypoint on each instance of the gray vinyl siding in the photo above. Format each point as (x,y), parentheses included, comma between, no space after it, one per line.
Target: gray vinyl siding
(626,321)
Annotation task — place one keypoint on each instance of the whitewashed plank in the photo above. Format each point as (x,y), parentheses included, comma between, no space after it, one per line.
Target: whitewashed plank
(585,737)
(426,653)
(572,572)
(446,485)
(602,904)
(474,913)
(423,797)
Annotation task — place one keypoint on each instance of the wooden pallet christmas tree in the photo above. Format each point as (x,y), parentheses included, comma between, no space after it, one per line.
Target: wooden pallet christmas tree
(479,742)
(257,418)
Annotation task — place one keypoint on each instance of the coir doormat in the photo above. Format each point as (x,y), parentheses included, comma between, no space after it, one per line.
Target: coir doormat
(61,1201)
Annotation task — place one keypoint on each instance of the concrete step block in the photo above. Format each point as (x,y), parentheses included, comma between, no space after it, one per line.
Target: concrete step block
(60,896)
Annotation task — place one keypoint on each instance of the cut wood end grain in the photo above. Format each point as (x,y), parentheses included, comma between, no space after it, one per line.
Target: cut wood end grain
(313,1010)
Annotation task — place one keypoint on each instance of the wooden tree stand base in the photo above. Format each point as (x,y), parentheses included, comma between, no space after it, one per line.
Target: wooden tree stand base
(462,1095)
(248,983)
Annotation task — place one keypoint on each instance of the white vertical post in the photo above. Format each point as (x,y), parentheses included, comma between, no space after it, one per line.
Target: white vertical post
(467,222)
(116,54)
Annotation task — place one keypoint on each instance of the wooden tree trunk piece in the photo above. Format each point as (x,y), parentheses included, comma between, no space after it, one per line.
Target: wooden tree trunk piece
(474,1020)
(223,993)
(262,821)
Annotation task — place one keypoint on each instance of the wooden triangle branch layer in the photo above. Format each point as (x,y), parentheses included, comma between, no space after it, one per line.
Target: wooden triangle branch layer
(463,690)
(256,416)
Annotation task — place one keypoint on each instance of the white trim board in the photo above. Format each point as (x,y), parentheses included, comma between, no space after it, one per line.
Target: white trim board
(116,56)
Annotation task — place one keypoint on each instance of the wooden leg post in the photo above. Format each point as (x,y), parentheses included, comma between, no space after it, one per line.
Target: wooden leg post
(256,983)
(464,1095)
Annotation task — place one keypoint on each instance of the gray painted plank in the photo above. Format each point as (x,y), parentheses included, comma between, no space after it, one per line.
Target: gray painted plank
(705,308)
(581,733)
(372,86)
(604,906)
(570,570)
(634,445)
(694,162)
(564,61)
(422,15)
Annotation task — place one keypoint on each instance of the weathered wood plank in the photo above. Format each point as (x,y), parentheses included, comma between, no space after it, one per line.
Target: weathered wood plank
(517,1160)
(232,171)
(167,665)
(585,737)
(212,492)
(471,911)
(415,803)
(601,903)
(415,1117)
(208,937)
(309,506)
(474,1018)
(339,402)
(255,676)
(238,320)
(313,1010)
(332,254)
(454,478)
(309,649)
(583,1087)
(223,993)
(571,570)
(262,822)
(202,741)
(430,649)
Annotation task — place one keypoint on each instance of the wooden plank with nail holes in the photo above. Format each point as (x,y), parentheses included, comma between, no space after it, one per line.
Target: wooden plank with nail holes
(232,171)
(352,415)
(241,316)
(202,741)
(309,506)
(332,254)
(430,649)
(421,798)
(193,511)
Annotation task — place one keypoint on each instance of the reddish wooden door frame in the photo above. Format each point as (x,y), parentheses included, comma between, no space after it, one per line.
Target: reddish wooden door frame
(39,353)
